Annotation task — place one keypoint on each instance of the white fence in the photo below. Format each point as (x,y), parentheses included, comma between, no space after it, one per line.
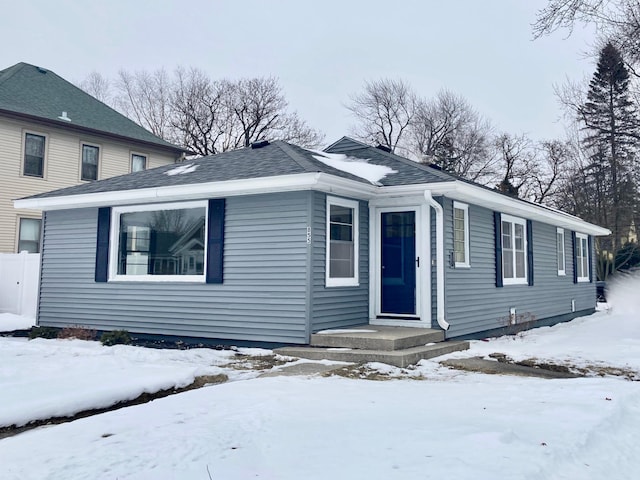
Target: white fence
(19,279)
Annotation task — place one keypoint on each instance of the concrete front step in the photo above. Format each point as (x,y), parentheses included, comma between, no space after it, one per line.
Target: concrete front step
(398,358)
(376,337)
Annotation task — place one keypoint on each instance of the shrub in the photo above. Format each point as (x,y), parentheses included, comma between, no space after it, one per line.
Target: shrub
(115,337)
(78,332)
(43,332)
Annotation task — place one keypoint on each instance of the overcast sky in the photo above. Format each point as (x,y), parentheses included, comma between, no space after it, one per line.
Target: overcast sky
(321,51)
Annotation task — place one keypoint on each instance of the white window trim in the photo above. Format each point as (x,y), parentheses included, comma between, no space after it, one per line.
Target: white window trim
(343,282)
(523,222)
(24,150)
(465,207)
(579,238)
(99,166)
(561,271)
(114,238)
(140,154)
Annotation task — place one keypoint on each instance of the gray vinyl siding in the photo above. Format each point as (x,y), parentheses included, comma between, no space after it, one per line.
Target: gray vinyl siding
(263,297)
(474,303)
(337,307)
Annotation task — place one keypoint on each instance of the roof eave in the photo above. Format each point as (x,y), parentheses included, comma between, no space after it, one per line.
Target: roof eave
(252,186)
(71,126)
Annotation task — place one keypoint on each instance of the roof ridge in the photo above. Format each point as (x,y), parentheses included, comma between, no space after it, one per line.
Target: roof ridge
(346,137)
(401,159)
(9,72)
(305,164)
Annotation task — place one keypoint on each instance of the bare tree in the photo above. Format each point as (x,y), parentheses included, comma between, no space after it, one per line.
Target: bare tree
(384,110)
(449,132)
(98,87)
(259,110)
(297,131)
(516,157)
(617,21)
(204,115)
(200,118)
(550,171)
(146,98)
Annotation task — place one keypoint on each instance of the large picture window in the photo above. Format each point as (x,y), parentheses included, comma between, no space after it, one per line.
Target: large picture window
(342,242)
(34,149)
(460,234)
(582,257)
(165,242)
(514,250)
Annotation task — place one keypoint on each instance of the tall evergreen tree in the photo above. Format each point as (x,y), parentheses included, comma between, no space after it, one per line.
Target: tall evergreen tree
(612,133)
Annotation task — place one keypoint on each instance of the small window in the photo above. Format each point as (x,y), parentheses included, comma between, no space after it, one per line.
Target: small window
(342,243)
(34,147)
(582,257)
(29,236)
(138,162)
(90,156)
(460,234)
(514,250)
(560,251)
(159,242)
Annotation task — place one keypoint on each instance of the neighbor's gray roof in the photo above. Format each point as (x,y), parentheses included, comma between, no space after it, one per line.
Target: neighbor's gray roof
(275,159)
(35,92)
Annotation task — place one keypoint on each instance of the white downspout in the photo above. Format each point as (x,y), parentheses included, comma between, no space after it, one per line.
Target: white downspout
(439,260)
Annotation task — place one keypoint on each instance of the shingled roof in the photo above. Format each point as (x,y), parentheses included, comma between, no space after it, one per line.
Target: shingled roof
(270,160)
(37,93)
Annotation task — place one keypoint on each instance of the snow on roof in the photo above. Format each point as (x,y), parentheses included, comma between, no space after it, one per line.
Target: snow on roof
(355,166)
(182,169)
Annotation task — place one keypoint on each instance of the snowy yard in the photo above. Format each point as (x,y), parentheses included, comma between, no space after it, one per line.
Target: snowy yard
(427,422)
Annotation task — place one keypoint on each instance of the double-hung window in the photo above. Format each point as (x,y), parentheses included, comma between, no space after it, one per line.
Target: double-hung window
(560,251)
(342,243)
(582,257)
(514,250)
(34,152)
(90,159)
(159,242)
(460,234)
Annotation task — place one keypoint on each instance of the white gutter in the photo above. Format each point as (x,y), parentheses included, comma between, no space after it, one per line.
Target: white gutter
(252,186)
(439,260)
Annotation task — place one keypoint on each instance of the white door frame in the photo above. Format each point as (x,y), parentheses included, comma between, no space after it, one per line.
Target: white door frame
(422,319)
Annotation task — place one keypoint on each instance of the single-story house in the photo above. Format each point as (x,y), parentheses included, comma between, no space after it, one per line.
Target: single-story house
(274,242)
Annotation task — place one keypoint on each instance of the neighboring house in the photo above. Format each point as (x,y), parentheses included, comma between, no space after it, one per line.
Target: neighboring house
(53,135)
(274,242)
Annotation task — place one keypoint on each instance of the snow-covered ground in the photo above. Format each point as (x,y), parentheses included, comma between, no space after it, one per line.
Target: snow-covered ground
(10,322)
(431,422)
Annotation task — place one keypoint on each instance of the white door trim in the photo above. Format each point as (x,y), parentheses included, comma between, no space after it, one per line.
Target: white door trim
(423,272)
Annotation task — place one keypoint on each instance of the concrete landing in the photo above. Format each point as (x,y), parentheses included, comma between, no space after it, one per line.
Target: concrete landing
(398,358)
(376,337)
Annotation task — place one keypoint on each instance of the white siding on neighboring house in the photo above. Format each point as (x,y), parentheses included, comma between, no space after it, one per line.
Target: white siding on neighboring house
(61,169)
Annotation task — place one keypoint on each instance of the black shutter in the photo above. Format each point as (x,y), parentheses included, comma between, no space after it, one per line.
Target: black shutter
(497,220)
(590,258)
(102,245)
(575,257)
(530,252)
(215,240)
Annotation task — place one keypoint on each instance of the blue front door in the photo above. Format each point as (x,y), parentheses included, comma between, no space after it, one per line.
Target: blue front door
(398,263)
